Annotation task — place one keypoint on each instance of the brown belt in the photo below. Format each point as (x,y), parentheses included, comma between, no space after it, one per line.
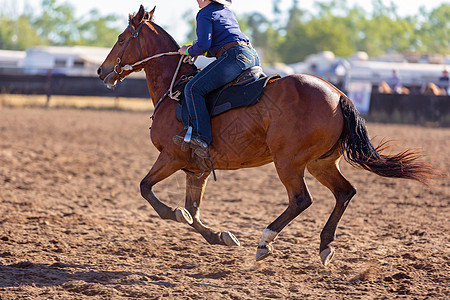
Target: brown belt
(231,45)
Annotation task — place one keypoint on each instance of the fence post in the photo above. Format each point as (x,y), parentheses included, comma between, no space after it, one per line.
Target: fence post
(48,87)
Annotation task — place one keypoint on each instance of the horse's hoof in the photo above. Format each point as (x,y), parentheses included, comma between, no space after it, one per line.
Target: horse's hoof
(326,256)
(229,239)
(183,216)
(263,252)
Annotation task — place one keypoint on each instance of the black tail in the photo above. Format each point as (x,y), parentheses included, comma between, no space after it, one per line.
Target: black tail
(359,152)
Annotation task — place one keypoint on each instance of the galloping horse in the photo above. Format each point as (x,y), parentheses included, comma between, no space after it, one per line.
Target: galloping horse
(300,122)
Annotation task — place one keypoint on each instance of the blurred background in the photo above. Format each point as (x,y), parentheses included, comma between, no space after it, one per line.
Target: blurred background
(389,56)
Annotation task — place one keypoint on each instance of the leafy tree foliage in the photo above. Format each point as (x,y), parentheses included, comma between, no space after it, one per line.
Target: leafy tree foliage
(332,26)
(434,33)
(264,35)
(17,34)
(56,25)
(344,30)
(192,35)
(98,30)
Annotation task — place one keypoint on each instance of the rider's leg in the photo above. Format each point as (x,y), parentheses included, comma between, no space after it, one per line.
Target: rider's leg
(220,72)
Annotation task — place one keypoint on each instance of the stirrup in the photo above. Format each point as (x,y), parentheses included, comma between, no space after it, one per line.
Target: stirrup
(183,143)
(179,141)
(202,165)
(199,148)
(200,151)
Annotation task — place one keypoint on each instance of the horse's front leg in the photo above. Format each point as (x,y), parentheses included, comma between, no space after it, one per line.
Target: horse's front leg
(195,188)
(163,168)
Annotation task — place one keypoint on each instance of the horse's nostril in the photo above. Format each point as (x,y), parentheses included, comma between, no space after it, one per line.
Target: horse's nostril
(99,71)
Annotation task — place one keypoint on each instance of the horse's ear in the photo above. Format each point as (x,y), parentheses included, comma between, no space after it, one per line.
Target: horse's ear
(149,15)
(139,16)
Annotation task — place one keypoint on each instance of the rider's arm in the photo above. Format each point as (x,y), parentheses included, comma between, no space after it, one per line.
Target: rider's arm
(204,36)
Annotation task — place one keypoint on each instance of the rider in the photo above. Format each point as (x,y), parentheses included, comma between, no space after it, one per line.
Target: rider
(219,36)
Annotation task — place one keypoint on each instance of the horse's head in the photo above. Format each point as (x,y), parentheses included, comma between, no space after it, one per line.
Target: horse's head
(127,50)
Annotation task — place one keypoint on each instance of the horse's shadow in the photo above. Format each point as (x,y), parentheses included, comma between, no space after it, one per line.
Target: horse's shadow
(28,273)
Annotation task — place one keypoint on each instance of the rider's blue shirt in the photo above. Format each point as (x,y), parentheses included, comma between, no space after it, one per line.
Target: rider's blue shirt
(216,27)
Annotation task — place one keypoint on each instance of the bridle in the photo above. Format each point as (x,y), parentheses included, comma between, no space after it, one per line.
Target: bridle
(118,68)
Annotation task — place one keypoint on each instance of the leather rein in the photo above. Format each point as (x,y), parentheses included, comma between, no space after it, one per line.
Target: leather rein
(118,68)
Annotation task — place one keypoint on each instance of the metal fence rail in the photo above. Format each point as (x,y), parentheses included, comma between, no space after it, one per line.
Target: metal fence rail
(393,108)
(410,109)
(71,85)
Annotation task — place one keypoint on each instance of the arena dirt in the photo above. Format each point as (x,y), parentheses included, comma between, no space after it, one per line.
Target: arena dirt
(74,226)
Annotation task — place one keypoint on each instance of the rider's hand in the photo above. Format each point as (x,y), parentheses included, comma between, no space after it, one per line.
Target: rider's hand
(182,50)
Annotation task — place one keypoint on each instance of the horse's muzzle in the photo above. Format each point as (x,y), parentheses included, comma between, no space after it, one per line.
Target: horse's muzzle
(111,80)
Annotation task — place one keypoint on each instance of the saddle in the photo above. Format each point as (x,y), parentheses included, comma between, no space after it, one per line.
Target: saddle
(245,90)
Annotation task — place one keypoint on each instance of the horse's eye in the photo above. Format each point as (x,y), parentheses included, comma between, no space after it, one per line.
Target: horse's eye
(121,40)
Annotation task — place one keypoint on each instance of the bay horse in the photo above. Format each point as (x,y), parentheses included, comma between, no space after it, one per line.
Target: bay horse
(384,88)
(301,122)
(432,89)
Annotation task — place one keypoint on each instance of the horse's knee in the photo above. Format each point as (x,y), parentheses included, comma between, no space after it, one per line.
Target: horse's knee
(302,202)
(344,197)
(145,187)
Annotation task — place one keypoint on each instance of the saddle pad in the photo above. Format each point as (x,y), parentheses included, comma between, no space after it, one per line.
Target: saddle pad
(225,99)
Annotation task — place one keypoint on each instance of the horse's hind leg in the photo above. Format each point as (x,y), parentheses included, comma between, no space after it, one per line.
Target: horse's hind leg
(195,188)
(163,168)
(327,172)
(299,200)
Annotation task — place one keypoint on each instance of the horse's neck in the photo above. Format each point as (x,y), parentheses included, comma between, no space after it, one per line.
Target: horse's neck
(160,71)
(160,75)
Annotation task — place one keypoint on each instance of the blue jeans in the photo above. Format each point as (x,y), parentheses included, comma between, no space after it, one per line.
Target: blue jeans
(225,69)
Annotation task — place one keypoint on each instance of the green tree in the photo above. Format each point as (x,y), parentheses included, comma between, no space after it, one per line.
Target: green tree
(263,35)
(342,30)
(311,34)
(353,23)
(8,34)
(28,35)
(433,35)
(17,34)
(385,31)
(192,35)
(57,23)
(97,30)
(336,27)
(296,16)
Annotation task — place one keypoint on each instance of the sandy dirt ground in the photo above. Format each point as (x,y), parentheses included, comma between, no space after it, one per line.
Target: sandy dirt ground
(74,226)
